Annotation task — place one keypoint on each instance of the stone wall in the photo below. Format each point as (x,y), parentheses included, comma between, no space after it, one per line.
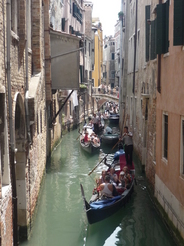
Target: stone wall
(6,219)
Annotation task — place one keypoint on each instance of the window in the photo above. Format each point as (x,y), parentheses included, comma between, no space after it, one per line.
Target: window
(85,46)
(40,121)
(37,124)
(29,24)
(14,15)
(90,74)
(112,56)
(112,74)
(70,6)
(89,49)
(182,145)
(165,136)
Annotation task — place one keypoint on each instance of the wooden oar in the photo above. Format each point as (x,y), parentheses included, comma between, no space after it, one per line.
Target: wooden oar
(103,158)
(79,133)
(78,136)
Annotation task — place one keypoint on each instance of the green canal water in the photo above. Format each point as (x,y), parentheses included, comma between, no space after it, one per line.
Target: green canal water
(61,220)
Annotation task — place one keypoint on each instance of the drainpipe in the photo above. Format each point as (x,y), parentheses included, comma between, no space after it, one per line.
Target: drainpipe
(135,47)
(27,114)
(159,68)
(83,76)
(11,128)
(27,85)
(120,72)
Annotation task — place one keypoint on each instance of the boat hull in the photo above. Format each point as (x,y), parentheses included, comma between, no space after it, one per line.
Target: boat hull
(89,148)
(96,215)
(110,139)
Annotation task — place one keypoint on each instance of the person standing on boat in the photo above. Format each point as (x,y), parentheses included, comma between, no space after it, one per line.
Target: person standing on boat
(127,140)
(96,124)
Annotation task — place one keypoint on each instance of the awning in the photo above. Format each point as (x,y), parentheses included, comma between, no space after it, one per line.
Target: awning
(64,60)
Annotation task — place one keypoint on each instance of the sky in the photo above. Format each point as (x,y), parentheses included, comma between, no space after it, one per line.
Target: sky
(107,11)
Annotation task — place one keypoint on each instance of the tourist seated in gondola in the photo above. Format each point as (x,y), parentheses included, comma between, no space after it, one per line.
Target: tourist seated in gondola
(96,140)
(122,179)
(108,130)
(85,138)
(127,177)
(101,180)
(113,176)
(106,188)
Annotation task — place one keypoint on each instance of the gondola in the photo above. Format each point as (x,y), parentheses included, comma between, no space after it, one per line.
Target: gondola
(114,118)
(97,210)
(90,147)
(110,137)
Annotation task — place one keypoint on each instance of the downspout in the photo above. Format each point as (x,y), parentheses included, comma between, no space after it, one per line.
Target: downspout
(27,114)
(159,68)
(83,76)
(135,47)
(11,128)
(121,69)
(27,85)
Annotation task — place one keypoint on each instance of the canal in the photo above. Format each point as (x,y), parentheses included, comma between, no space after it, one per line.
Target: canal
(61,219)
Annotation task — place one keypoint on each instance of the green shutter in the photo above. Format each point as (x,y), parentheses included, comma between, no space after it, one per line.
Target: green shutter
(162,28)
(166,45)
(147,28)
(63,24)
(178,38)
(153,40)
(81,73)
(73,9)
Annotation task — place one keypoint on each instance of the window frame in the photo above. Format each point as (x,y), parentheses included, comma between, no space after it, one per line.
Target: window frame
(182,148)
(14,16)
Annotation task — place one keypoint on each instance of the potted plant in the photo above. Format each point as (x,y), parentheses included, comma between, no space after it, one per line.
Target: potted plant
(120,15)
(82,87)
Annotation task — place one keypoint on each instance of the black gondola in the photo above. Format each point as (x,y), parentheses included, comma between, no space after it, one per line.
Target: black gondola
(110,136)
(97,210)
(89,146)
(114,118)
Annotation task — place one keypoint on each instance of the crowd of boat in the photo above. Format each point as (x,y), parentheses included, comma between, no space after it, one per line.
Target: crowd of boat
(115,186)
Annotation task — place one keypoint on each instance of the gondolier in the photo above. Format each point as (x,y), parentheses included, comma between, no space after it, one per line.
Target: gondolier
(127,140)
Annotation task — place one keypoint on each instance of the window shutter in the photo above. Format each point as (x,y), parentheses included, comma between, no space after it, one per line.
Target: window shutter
(162,28)
(63,24)
(74,9)
(153,40)
(147,35)
(178,38)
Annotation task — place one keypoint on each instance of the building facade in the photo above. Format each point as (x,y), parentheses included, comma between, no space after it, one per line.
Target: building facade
(23,97)
(98,52)
(169,178)
(109,60)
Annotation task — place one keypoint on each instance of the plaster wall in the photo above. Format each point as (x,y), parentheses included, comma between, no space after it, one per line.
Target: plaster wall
(169,101)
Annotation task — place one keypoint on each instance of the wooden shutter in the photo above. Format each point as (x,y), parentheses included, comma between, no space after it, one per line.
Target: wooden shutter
(74,9)
(153,40)
(178,38)
(147,29)
(162,28)
(63,24)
